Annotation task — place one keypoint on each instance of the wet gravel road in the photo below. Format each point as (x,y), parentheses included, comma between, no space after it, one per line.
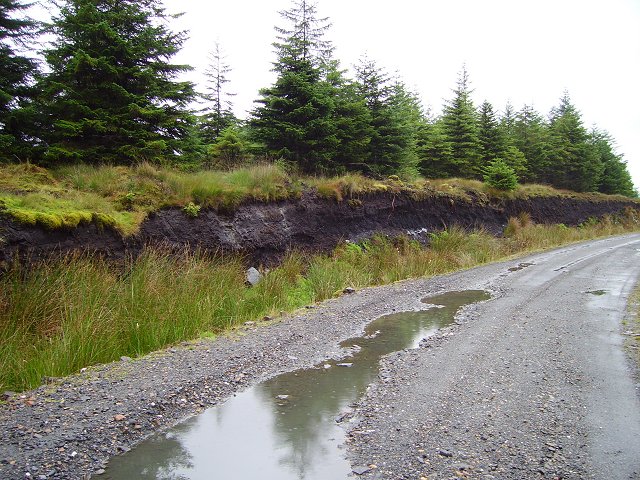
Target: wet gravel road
(531,384)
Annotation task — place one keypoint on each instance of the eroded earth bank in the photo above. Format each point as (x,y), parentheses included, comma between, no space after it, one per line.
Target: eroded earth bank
(263,232)
(530,384)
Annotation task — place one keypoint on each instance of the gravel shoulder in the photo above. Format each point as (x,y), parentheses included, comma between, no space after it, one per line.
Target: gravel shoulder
(506,393)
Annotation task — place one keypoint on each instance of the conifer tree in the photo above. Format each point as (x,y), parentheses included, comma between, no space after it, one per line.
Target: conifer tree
(17,72)
(574,164)
(352,121)
(295,116)
(395,117)
(492,140)
(218,113)
(112,95)
(433,149)
(507,123)
(531,137)
(615,177)
(460,124)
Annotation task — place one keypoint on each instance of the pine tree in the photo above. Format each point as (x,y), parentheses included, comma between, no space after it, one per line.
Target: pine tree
(218,114)
(111,95)
(492,141)
(433,149)
(395,117)
(352,122)
(531,137)
(295,119)
(18,70)
(460,124)
(507,123)
(615,177)
(574,164)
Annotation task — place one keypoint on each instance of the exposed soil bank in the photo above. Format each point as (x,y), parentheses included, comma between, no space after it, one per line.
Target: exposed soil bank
(265,231)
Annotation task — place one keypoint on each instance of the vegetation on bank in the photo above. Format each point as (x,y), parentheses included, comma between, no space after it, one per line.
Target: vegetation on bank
(121,196)
(76,311)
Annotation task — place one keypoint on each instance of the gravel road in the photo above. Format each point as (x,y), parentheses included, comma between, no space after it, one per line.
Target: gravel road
(531,384)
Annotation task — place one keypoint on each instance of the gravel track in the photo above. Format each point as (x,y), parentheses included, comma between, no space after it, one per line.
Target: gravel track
(518,388)
(534,384)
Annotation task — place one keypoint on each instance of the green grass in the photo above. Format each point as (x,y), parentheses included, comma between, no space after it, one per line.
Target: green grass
(77,311)
(122,197)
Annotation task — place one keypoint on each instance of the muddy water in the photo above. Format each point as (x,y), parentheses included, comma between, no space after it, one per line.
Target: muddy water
(289,426)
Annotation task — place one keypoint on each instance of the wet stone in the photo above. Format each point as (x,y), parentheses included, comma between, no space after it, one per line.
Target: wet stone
(360,470)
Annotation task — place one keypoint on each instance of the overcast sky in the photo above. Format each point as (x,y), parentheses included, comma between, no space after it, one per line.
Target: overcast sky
(525,52)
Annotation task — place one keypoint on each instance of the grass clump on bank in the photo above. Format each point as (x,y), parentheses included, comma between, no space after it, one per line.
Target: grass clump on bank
(121,197)
(78,311)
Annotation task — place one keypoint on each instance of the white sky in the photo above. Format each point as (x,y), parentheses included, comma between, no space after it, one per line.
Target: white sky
(523,52)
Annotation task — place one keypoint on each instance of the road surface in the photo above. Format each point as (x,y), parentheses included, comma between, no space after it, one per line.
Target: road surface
(533,384)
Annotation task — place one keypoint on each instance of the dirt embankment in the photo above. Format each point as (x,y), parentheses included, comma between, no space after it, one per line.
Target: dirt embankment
(264,231)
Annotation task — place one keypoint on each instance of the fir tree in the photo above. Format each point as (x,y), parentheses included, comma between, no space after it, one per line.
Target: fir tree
(352,121)
(218,113)
(295,118)
(433,149)
(491,137)
(460,124)
(531,137)
(507,123)
(574,164)
(111,95)
(16,92)
(615,177)
(395,115)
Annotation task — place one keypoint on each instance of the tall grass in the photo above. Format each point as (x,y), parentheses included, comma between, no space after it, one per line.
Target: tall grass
(77,311)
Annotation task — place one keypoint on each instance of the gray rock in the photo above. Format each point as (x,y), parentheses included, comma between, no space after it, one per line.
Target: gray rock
(7,395)
(360,470)
(253,276)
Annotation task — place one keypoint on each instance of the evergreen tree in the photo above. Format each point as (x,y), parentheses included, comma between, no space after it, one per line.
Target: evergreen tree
(531,137)
(461,127)
(218,113)
(352,122)
(295,118)
(615,177)
(395,116)
(491,137)
(507,123)
(111,95)
(433,149)
(575,165)
(16,111)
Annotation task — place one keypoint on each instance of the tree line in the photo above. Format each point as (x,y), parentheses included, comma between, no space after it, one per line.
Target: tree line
(105,90)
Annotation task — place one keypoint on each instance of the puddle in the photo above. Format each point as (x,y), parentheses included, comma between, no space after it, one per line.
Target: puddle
(521,266)
(286,427)
(596,292)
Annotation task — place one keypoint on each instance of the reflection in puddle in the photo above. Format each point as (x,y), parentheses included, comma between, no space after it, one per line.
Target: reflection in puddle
(597,292)
(286,427)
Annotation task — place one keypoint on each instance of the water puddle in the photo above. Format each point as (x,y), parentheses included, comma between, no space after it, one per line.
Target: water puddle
(287,427)
(597,293)
(520,266)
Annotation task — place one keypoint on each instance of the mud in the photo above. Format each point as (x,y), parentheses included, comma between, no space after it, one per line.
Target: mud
(263,232)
